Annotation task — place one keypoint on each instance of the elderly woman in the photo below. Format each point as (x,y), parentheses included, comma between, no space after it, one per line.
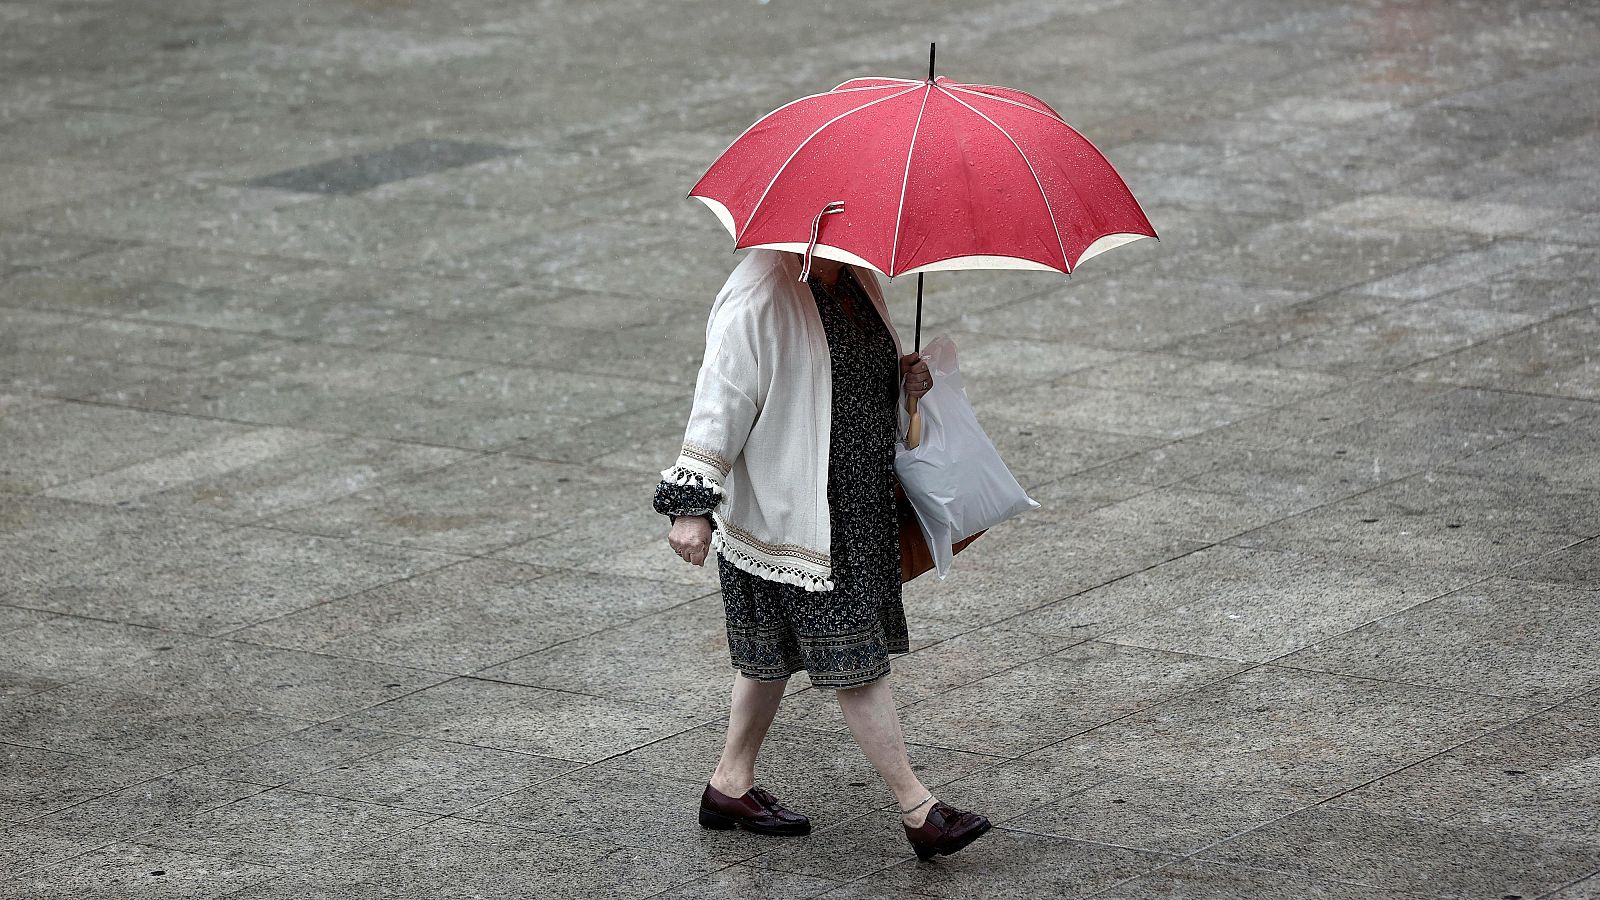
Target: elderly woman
(787,471)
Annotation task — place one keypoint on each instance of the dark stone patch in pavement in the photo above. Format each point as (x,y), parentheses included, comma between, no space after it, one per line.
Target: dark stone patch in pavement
(362,171)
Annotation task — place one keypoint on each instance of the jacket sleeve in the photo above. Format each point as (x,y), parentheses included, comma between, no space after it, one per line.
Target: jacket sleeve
(733,378)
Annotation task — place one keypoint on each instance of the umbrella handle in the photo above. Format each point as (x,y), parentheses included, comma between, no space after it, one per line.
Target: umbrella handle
(914,429)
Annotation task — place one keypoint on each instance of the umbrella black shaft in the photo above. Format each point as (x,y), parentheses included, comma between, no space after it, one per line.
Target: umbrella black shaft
(917,339)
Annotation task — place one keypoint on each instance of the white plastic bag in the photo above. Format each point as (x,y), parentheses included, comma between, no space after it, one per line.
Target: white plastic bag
(954,477)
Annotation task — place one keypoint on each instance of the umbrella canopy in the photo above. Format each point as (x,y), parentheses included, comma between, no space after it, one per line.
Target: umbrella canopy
(932,175)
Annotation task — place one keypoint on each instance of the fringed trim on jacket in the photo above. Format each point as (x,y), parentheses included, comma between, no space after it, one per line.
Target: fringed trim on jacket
(786,565)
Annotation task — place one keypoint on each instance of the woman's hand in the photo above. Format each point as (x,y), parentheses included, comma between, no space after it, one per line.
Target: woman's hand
(914,372)
(690,538)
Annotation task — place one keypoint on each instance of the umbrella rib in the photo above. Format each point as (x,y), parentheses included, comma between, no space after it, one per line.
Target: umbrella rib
(988,96)
(894,249)
(836,88)
(1065,263)
(789,104)
(778,174)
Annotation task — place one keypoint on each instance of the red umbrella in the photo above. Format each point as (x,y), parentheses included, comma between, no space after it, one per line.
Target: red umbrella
(922,176)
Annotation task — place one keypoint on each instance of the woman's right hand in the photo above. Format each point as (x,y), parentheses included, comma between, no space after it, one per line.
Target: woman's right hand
(690,538)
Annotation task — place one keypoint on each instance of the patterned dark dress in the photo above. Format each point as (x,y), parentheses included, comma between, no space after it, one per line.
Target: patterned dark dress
(842,638)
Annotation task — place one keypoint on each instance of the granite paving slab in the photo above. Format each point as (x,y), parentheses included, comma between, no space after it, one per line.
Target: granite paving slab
(1560,455)
(1586,889)
(133,870)
(68,648)
(746,883)
(1154,815)
(294,683)
(1307,254)
(283,827)
(1552,357)
(1391,341)
(432,776)
(1224,380)
(1278,326)
(1421,857)
(1517,640)
(279,760)
(29,848)
(17,684)
(1038,703)
(1575,566)
(990,582)
(301,475)
(460,859)
(1368,399)
(229,577)
(1446,520)
(677,658)
(1231,602)
(1476,217)
(1184,880)
(617,533)
(1296,734)
(364,171)
(60,443)
(1182,513)
(524,719)
(14,617)
(474,506)
(466,617)
(26,250)
(144,807)
(90,721)
(218,456)
(35,781)
(1534,776)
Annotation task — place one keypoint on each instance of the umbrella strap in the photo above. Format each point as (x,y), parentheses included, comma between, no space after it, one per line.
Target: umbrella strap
(835,206)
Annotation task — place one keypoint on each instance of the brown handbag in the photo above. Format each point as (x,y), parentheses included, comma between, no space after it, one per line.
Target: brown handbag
(915,557)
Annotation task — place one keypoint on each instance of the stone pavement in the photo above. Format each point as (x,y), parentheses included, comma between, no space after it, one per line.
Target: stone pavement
(341,345)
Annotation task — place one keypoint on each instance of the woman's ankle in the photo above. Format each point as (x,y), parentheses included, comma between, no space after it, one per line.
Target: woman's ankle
(916,812)
(732,784)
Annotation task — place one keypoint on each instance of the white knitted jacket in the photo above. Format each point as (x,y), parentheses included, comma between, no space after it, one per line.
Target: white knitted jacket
(758,431)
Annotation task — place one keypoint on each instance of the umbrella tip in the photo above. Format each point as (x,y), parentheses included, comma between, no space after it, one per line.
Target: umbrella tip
(930,60)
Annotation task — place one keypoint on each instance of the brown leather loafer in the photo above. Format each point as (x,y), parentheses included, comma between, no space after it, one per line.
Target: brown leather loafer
(945,831)
(756,810)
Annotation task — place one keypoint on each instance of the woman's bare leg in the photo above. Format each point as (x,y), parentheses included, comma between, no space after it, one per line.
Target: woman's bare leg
(870,712)
(749,716)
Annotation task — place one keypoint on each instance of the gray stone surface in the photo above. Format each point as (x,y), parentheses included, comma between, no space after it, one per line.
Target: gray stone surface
(1191,880)
(1513,639)
(1434,859)
(1037,703)
(1154,815)
(1536,776)
(1299,734)
(342,345)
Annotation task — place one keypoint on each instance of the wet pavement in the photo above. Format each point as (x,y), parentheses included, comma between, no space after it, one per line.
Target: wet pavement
(341,346)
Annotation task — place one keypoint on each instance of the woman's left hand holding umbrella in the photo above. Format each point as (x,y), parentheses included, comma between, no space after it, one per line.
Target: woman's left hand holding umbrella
(915,375)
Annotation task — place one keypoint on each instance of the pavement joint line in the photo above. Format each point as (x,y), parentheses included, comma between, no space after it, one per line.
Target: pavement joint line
(1329,801)
(1569,884)
(376,587)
